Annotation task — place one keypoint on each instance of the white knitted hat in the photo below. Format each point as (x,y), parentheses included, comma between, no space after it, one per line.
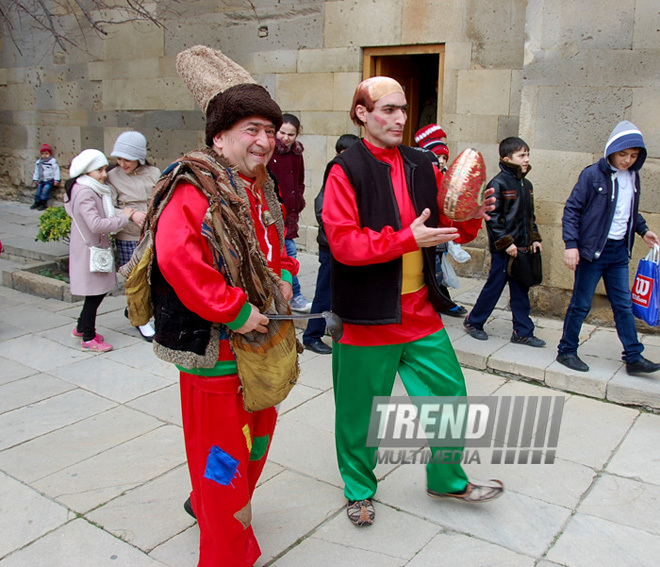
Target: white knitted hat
(131,146)
(86,161)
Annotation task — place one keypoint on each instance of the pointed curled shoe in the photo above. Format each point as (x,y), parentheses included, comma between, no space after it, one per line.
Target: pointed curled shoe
(473,492)
(361,512)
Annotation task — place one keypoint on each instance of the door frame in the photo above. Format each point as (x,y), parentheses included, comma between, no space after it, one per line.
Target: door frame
(370,57)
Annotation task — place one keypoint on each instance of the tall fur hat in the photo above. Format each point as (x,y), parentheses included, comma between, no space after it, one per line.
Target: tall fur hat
(224,91)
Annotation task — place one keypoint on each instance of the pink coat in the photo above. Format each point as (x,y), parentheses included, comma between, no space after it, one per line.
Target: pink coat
(86,207)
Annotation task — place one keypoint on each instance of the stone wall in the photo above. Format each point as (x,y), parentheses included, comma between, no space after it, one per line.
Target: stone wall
(559,74)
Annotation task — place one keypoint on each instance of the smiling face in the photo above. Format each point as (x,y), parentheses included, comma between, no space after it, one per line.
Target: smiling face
(287,134)
(624,159)
(100,174)
(384,124)
(128,165)
(247,145)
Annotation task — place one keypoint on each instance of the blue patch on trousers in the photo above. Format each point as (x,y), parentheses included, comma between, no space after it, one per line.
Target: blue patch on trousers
(220,466)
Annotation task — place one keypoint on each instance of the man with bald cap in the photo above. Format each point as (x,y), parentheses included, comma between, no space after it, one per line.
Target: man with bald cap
(383,222)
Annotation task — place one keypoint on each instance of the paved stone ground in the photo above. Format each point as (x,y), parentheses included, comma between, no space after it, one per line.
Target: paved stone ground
(92,463)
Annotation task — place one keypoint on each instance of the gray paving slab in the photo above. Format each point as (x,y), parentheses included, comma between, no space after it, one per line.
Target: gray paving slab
(111,379)
(602,343)
(588,541)
(97,480)
(459,549)
(23,424)
(634,390)
(164,404)
(624,501)
(474,353)
(387,539)
(44,455)
(26,515)
(131,515)
(638,456)
(592,383)
(180,551)
(25,391)
(79,544)
(282,513)
(522,360)
(520,523)
(41,354)
(12,370)
(592,431)
(330,554)
(32,319)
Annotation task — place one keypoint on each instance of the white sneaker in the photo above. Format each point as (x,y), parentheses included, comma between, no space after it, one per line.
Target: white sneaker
(147,332)
(300,304)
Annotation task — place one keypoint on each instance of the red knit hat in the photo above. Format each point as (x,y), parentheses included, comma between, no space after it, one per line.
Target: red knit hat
(45,148)
(428,133)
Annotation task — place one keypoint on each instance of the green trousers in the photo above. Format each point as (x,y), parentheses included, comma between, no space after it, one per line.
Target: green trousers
(428,367)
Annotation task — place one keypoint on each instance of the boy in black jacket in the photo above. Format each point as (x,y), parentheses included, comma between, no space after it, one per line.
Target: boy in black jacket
(511,228)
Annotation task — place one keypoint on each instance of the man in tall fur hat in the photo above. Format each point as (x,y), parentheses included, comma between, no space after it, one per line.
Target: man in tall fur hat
(220,264)
(381,217)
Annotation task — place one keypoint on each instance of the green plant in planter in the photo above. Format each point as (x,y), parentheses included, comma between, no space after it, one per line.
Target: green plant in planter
(54,224)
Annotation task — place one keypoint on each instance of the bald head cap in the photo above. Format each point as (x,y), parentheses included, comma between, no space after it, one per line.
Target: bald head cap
(370,91)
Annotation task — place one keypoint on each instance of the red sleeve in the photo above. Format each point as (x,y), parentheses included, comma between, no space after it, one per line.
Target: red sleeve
(468,229)
(186,262)
(349,243)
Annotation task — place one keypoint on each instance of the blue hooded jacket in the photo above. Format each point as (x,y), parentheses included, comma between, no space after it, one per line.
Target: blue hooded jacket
(590,208)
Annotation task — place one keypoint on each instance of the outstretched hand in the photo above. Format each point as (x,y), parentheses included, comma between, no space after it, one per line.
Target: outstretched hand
(487,206)
(425,236)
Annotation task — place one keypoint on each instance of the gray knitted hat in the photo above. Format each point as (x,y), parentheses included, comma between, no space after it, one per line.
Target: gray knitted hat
(131,146)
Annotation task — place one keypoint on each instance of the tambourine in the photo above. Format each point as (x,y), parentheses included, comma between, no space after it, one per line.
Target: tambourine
(463,186)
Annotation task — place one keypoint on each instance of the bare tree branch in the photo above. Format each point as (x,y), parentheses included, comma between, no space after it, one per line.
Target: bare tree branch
(91,16)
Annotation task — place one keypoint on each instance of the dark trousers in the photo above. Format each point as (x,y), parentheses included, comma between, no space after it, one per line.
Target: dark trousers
(612,266)
(490,295)
(322,299)
(87,320)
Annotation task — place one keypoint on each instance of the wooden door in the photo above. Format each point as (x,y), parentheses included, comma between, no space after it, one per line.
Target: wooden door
(406,71)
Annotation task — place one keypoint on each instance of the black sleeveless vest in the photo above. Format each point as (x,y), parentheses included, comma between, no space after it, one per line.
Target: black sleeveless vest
(371,294)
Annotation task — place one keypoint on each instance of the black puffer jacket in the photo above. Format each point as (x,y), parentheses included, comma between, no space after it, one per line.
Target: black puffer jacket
(513,220)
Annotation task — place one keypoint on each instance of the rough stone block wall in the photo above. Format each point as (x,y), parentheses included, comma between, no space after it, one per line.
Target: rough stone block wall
(558,75)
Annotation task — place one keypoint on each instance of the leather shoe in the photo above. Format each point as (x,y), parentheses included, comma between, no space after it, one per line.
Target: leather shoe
(187,506)
(475,333)
(456,311)
(318,346)
(529,341)
(573,362)
(642,366)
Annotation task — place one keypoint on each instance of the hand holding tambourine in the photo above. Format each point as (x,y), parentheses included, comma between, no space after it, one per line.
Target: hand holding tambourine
(463,193)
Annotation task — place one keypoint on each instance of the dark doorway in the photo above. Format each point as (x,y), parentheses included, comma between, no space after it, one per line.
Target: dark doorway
(419,70)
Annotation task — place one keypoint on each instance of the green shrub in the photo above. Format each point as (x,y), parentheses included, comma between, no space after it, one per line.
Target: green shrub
(54,224)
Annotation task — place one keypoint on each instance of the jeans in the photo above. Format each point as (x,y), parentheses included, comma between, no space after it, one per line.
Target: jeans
(43,190)
(292,252)
(490,295)
(322,299)
(612,266)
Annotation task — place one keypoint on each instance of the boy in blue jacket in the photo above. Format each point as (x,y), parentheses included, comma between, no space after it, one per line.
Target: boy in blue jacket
(599,224)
